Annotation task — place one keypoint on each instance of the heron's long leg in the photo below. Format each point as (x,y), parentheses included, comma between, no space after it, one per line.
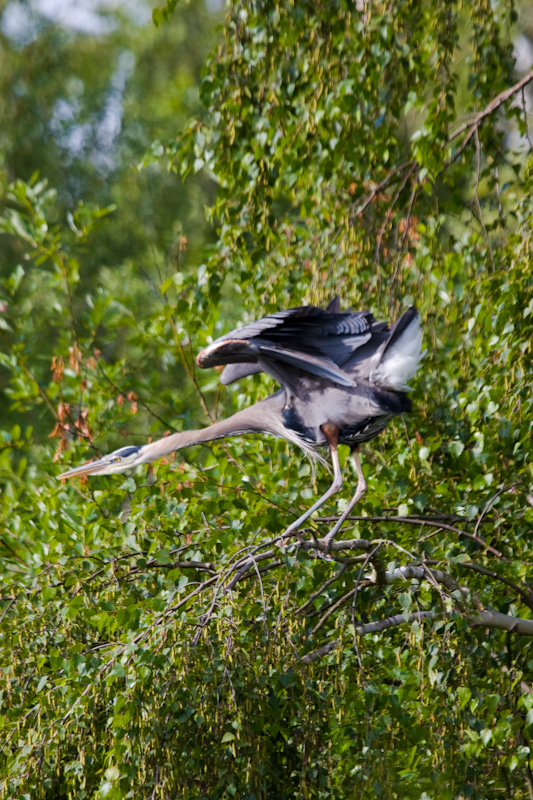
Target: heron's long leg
(332,435)
(359,492)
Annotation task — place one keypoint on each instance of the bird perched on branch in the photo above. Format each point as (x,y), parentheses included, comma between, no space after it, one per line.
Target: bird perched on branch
(343,377)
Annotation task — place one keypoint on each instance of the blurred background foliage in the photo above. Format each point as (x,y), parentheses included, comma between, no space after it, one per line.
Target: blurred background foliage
(161,184)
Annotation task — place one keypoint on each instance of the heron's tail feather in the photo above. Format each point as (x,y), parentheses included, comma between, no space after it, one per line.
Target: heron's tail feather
(401,354)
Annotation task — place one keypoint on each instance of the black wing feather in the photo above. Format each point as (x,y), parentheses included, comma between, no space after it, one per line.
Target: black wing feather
(315,340)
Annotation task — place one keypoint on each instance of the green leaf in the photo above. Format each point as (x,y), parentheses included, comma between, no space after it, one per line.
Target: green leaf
(163,556)
(464,694)
(456,448)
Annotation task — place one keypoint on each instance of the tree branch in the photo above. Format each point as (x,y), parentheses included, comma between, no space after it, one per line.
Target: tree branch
(389,178)
(494,104)
(485,619)
(475,122)
(503,622)
(525,594)
(414,520)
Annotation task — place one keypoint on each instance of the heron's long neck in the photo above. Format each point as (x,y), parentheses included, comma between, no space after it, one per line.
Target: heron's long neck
(263,417)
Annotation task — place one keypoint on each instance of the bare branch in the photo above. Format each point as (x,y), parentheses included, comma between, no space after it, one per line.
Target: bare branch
(421,573)
(390,209)
(424,572)
(476,121)
(413,520)
(493,619)
(255,572)
(343,544)
(322,651)
(332,608)
(486,619)
(494,104)
(369,627)
(244,565)
(389,178)
(394,621)
(322,589)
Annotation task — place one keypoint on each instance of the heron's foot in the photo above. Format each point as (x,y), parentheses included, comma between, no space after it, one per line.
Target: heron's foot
(282,542)
(291,530)
(324,555)
(327,550)
(328,540)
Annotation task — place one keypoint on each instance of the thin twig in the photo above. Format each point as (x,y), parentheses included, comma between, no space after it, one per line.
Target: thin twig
(527,596)
(477,202)
(322,589)
(389,178)
(490,503)
(390,209)
(331,608)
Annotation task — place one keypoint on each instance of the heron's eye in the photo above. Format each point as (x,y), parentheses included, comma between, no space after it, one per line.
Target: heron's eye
(117,458)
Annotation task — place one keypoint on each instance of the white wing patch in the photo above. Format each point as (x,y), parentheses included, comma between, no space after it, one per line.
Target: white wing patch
(401,360)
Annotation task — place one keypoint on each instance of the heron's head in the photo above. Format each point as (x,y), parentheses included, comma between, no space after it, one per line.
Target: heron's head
(120,460)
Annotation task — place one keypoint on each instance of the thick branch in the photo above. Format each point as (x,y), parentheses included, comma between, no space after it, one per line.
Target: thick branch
(394,621)
(493,619)
(343,544)
(413,520)
(425,573)
(322,651)
(485,619)
(369,627)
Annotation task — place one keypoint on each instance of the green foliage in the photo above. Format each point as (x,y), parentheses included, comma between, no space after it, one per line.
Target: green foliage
(155,639)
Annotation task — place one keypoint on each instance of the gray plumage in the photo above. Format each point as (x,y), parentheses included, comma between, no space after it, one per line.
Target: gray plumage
(343,377)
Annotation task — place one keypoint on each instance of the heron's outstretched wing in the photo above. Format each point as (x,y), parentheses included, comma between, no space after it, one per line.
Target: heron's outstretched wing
(246,356)
(314,340)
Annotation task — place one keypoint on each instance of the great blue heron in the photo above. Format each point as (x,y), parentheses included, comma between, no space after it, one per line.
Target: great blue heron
(343,377)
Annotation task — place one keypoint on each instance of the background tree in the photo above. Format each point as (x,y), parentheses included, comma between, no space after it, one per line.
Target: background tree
(155,641)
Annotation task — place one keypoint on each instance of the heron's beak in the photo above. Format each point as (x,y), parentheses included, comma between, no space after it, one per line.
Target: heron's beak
(86,469)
